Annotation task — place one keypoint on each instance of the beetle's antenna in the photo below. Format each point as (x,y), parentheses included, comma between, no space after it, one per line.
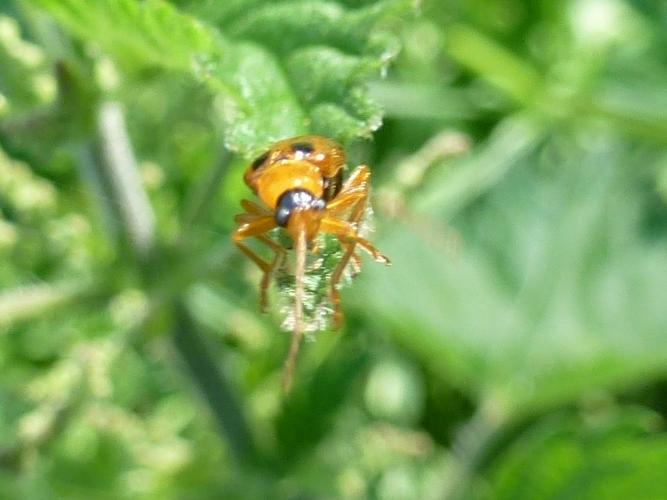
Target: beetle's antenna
(299,292)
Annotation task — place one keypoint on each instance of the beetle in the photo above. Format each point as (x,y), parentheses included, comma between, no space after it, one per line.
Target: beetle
(299,182)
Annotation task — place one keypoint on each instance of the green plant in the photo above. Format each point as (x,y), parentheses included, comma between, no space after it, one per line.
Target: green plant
(514,350)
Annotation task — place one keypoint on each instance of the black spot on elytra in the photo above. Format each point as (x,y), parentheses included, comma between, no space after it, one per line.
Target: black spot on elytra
(259,161)
(305,148)
(332,185)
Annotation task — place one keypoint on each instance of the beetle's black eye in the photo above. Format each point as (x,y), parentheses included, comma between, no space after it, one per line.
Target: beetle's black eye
(293,200)
(302,149)
(259,161)
(282,215)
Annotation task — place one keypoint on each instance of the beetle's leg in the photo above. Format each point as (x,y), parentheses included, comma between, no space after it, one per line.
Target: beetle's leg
(353,195)
(254,208)
(356,262)
(257,228)
(278,260)
(252,212)
(352,198)
(334,294)
(347,233)
(349,203)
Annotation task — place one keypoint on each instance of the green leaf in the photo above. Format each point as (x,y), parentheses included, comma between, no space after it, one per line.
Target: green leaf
(543,292)
(567,458)
(275,70)
(286,26)
(139,33)
(507,72)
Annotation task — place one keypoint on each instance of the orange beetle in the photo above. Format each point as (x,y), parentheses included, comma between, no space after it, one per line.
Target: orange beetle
(300,183)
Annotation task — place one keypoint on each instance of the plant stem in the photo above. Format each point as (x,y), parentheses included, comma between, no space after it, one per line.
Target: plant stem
(212,384)
(138,220)
(122,171)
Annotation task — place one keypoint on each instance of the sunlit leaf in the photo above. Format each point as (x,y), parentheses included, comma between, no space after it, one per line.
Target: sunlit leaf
(276,70)
(551,290)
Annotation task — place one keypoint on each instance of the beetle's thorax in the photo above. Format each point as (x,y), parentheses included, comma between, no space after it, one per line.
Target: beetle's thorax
(277,179)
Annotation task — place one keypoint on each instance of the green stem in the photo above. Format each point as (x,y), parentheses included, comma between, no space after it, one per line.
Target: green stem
(514,76)
(137,218)
(212,384)
(121,169)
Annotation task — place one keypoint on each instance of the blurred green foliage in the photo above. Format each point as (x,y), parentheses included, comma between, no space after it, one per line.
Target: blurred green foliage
(516,348)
